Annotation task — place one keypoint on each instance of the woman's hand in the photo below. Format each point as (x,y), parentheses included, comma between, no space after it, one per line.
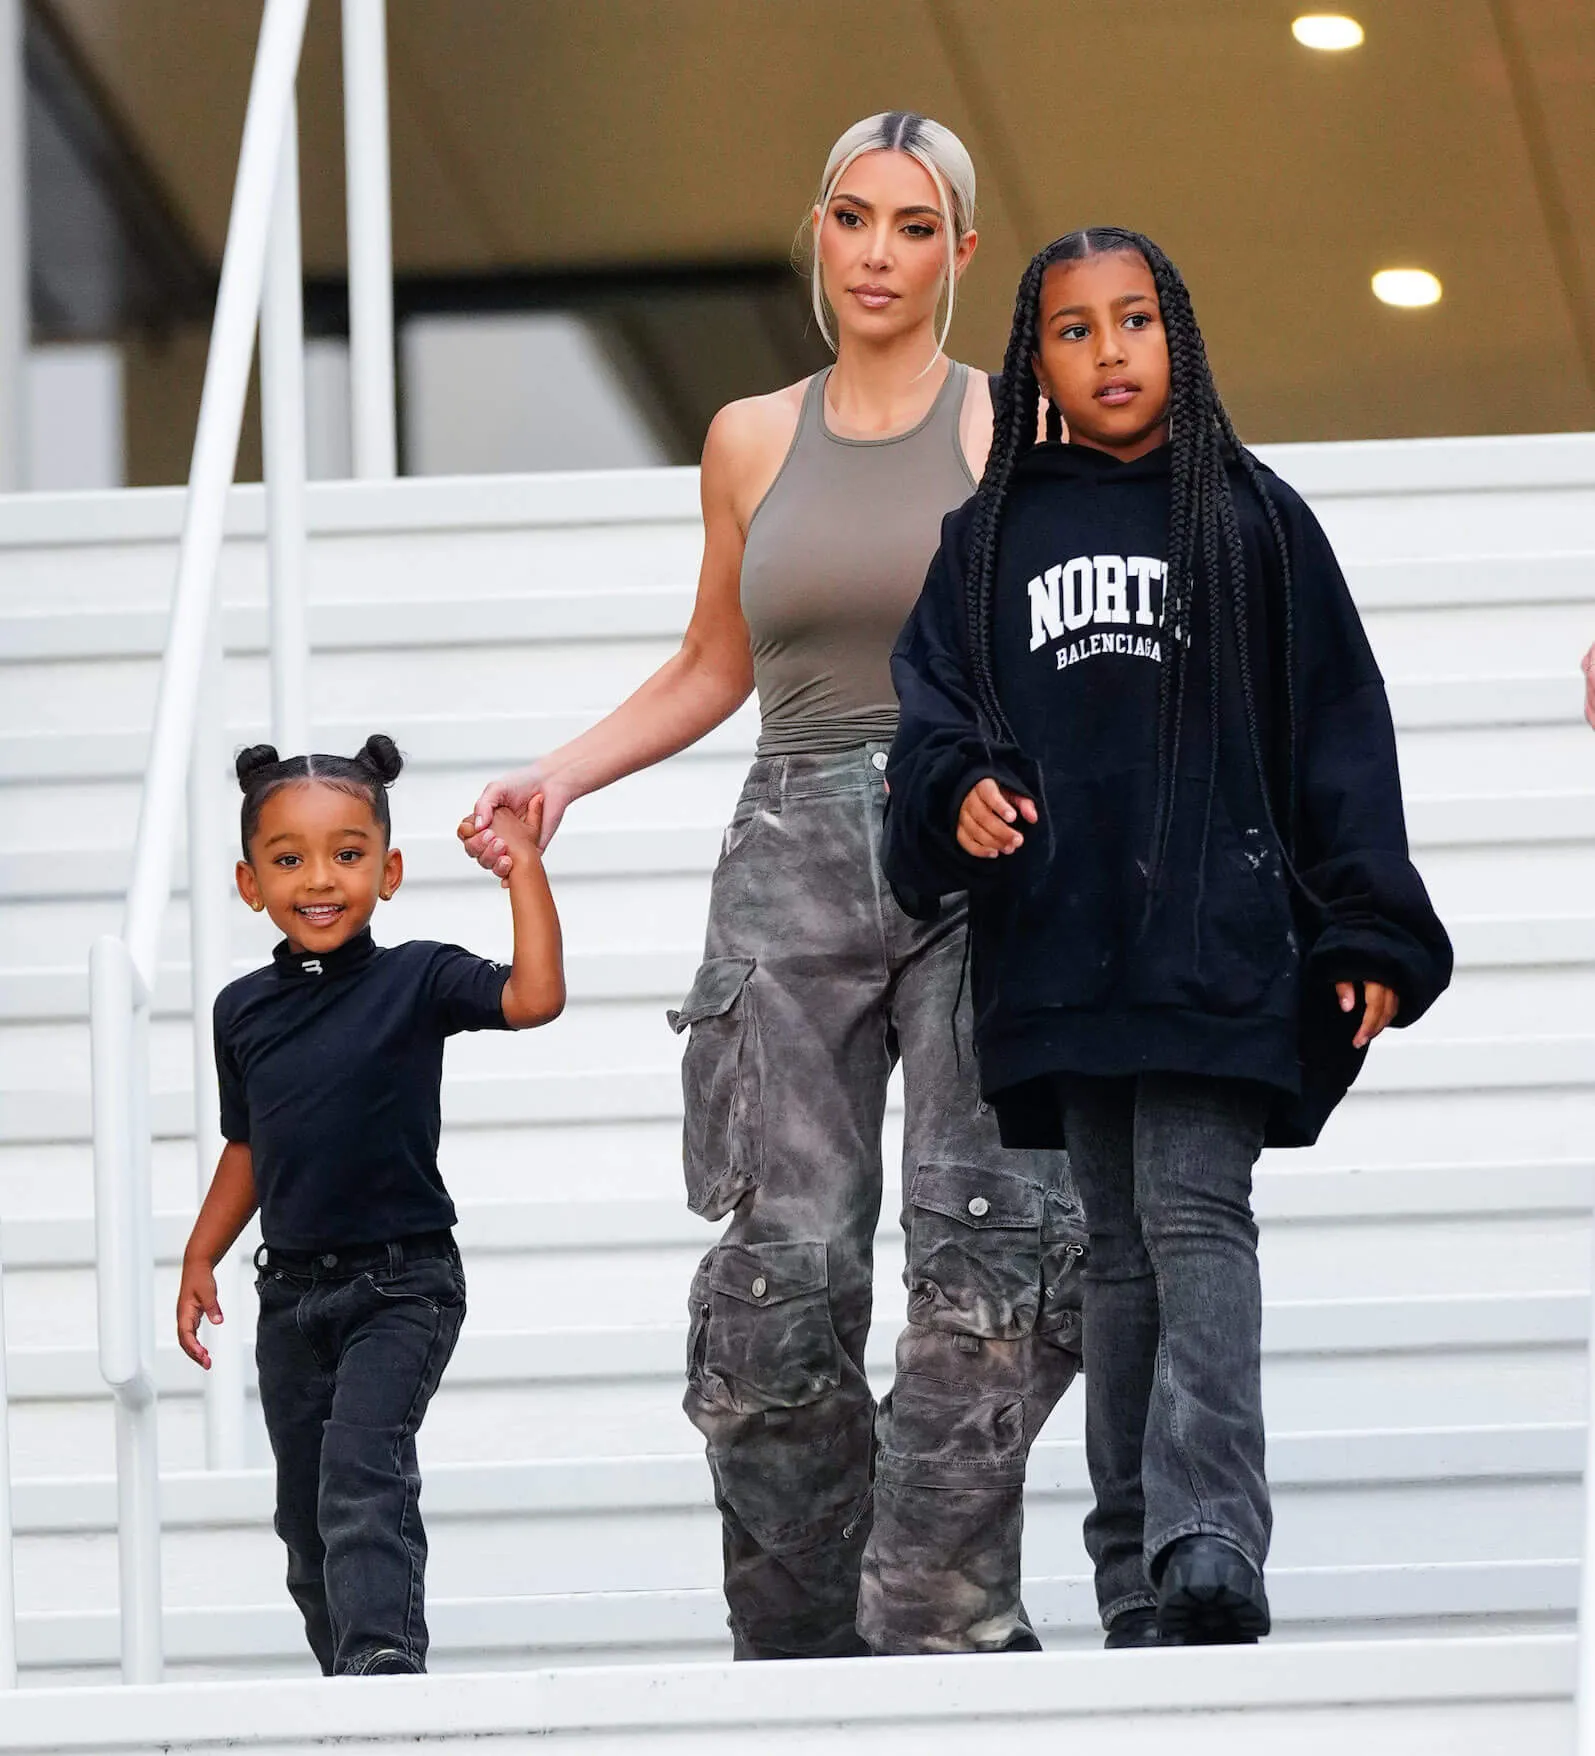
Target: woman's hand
(986,819)
(516,793)
(1380,1006)
(1588,668)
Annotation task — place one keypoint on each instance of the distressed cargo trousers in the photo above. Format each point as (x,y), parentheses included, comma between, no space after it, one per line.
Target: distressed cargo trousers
(849,1529)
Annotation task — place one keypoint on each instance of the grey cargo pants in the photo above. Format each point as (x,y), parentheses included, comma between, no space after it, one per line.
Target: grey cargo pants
(849,1529)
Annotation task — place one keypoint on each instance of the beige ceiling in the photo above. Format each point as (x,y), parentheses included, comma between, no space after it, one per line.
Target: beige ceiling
(547,133)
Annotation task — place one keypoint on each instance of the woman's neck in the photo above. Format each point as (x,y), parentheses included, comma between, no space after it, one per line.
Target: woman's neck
(878,389)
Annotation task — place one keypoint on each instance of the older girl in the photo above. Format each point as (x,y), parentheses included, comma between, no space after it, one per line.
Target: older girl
(821,507)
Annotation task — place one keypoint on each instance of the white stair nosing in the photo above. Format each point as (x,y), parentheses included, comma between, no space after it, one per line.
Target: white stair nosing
(820,1696)
(544,1488)
(1401,1066)
(677,849)
(530,1358)
(540,1226)
(56,992)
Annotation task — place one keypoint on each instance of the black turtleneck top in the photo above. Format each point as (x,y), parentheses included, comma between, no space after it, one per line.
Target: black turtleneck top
(330,1067)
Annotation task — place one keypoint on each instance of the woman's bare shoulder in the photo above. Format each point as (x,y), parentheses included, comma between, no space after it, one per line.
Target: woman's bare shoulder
(748,441)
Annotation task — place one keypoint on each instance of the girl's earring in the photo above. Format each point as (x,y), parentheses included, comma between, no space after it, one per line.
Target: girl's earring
(257,905)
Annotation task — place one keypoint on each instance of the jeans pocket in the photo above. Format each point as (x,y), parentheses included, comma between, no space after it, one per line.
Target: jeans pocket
(722,1124)
(1063,1254)
(438,1282)
(974,1251)
(767,1340)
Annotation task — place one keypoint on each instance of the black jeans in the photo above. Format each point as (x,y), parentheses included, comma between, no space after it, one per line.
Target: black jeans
(350,1349)
(1173,1320)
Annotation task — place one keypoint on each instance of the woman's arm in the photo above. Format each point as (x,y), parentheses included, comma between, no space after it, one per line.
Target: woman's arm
(693,691)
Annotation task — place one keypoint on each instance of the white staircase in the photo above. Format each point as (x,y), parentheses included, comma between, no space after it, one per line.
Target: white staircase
(1426,1267)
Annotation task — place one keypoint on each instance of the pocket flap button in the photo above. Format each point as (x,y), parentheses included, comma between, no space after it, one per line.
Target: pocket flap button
(879,759)
(760,1287)
(980,1207)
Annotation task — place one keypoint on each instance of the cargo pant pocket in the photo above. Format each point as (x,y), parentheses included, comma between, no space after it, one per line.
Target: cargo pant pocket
(940,1435)
(1063,1254)
(974,1251)
(766,1339)
(722,1120)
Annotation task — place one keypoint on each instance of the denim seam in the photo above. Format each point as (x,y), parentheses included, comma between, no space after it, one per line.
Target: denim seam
(1166,1381)
(1198,1527)
(1131,1600)
(412,1489)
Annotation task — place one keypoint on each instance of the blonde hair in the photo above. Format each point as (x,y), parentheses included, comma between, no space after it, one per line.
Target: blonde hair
(946,161)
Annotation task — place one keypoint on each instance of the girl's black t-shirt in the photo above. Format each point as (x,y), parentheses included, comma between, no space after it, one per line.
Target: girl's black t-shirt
(329,1069)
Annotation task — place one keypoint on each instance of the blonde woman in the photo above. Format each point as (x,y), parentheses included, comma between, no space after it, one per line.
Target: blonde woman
(847,1528)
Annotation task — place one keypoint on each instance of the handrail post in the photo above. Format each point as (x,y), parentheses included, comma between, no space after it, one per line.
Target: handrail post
(221,413)
(1584,1680)
(282,419)
(210,965)
(14,314)
(125,1277)
(368,203)
(8,1598)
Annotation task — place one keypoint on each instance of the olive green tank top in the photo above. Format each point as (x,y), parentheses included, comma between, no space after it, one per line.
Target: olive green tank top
(835,558)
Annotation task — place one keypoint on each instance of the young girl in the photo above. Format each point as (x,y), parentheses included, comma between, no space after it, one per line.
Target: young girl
(1142,725)
(330,1061)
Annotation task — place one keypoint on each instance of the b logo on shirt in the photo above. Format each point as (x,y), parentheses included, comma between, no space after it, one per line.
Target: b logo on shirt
(311,966)
(1097,591)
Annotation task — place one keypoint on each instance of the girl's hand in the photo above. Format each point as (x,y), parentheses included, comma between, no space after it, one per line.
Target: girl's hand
(1588,668)
(1380,1006)
(986,819)
(196,1298)
(516,792)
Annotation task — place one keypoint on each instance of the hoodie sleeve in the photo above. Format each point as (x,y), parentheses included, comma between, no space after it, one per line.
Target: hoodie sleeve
(941,750)
(1377,922)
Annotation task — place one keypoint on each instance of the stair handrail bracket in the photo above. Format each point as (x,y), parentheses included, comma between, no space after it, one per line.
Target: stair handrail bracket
(123,969)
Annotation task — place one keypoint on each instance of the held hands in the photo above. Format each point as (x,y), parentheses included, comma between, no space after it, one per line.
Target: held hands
(515,792)
(196,1298)
(1380,1006)
(510,833)
(987,817)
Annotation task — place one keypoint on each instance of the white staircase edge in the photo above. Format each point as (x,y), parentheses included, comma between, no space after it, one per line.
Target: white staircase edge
(945,1697)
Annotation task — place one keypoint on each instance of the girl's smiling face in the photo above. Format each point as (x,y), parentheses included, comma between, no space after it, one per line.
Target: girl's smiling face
(318,864)
(1103,357)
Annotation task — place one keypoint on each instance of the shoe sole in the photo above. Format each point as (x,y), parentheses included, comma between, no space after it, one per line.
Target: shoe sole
(1214,1604)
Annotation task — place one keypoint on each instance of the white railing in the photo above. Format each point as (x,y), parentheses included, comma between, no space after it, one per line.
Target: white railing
(260,280)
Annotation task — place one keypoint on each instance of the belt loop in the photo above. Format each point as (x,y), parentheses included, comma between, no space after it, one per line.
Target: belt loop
(778,777)
(395,1258)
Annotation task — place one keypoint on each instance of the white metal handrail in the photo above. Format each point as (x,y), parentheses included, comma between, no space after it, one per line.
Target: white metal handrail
(260,279)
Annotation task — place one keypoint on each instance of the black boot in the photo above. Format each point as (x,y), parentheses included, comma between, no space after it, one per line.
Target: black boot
(1209,1594)
(1136,1627)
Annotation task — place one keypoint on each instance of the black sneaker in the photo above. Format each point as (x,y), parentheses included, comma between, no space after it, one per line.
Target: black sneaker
(1209,1594)
(1133,1628)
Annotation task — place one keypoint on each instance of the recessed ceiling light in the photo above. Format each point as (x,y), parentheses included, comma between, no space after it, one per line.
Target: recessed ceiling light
(1406,286)
(1326,30)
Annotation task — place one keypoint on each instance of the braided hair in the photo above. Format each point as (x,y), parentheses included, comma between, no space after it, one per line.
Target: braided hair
(366,775)
(1204,543)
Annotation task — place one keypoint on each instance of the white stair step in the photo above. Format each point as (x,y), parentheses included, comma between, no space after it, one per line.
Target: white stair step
(1466,1697)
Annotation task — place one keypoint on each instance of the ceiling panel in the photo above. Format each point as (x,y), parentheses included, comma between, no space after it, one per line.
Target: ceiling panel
(537,134)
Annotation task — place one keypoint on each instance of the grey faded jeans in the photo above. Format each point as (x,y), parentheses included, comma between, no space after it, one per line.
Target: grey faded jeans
(846,1528)
(1173,1320)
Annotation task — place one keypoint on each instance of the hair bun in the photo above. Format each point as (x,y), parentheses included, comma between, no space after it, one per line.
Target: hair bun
(381,755)
(248,763)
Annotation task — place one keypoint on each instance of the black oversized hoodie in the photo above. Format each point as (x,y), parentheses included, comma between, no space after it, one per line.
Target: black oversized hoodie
(1227,967)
